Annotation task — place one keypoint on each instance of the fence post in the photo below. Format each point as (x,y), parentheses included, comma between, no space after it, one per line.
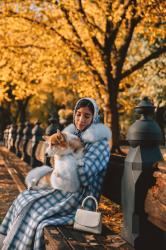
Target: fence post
(144,137)
(9,138)
(13,137)
(18,138)
(5,135)
(27,135)
(37,133)
(53,125)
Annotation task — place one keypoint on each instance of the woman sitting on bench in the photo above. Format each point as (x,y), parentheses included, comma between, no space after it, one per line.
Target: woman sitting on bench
(32,210)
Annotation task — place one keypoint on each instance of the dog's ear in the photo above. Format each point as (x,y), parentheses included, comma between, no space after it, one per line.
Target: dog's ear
(60,137)
(45,137)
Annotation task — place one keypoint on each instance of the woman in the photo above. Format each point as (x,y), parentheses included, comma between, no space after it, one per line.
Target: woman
(33,210)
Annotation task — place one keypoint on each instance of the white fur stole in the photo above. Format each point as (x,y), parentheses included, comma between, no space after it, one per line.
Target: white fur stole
(94,133)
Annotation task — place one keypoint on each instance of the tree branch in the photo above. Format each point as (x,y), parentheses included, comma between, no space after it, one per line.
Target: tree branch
(22,46)
(48,29)
(90,26)
(124,48)
(82,47)
(118,25)
(109,45)
(130,27)
(140,64)
(79,49)
(107,50)
(4,65)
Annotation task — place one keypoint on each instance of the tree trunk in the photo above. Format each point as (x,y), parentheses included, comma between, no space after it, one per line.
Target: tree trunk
(5,117)
(113,118)
(114,123)
(6,114)
(22,106)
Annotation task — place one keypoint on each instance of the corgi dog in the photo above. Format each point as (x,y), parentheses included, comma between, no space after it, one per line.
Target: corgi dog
(67,150)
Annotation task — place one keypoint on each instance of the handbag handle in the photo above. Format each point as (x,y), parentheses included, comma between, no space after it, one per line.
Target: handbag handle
(90,197)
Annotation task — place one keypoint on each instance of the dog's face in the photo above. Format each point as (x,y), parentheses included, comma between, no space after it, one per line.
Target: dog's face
(62,143)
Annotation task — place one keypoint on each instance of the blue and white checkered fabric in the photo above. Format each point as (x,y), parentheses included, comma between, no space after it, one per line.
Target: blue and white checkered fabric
(54,207)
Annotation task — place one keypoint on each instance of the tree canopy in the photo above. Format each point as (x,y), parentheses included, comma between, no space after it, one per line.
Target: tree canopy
(98,48)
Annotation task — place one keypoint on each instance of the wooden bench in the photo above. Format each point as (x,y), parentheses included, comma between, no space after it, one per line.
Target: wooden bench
(64,237)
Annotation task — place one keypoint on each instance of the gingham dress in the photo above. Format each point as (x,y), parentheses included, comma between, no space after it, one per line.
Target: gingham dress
(33,210)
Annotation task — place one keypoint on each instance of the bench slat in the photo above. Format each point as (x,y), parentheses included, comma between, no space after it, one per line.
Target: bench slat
(54,240)
(81,240)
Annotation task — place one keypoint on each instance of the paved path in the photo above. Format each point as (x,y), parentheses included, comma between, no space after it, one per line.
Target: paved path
(8,189)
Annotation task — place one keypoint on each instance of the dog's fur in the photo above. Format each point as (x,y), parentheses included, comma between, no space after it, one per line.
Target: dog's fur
(66,149)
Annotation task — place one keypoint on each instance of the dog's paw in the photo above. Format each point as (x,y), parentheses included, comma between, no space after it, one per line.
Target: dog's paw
(35,188)
(32,184)
(80,162)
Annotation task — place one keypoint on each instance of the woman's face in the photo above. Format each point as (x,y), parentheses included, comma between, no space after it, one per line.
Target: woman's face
(83,118)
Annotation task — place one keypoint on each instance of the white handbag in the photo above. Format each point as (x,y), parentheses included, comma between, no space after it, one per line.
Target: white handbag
(88,221)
